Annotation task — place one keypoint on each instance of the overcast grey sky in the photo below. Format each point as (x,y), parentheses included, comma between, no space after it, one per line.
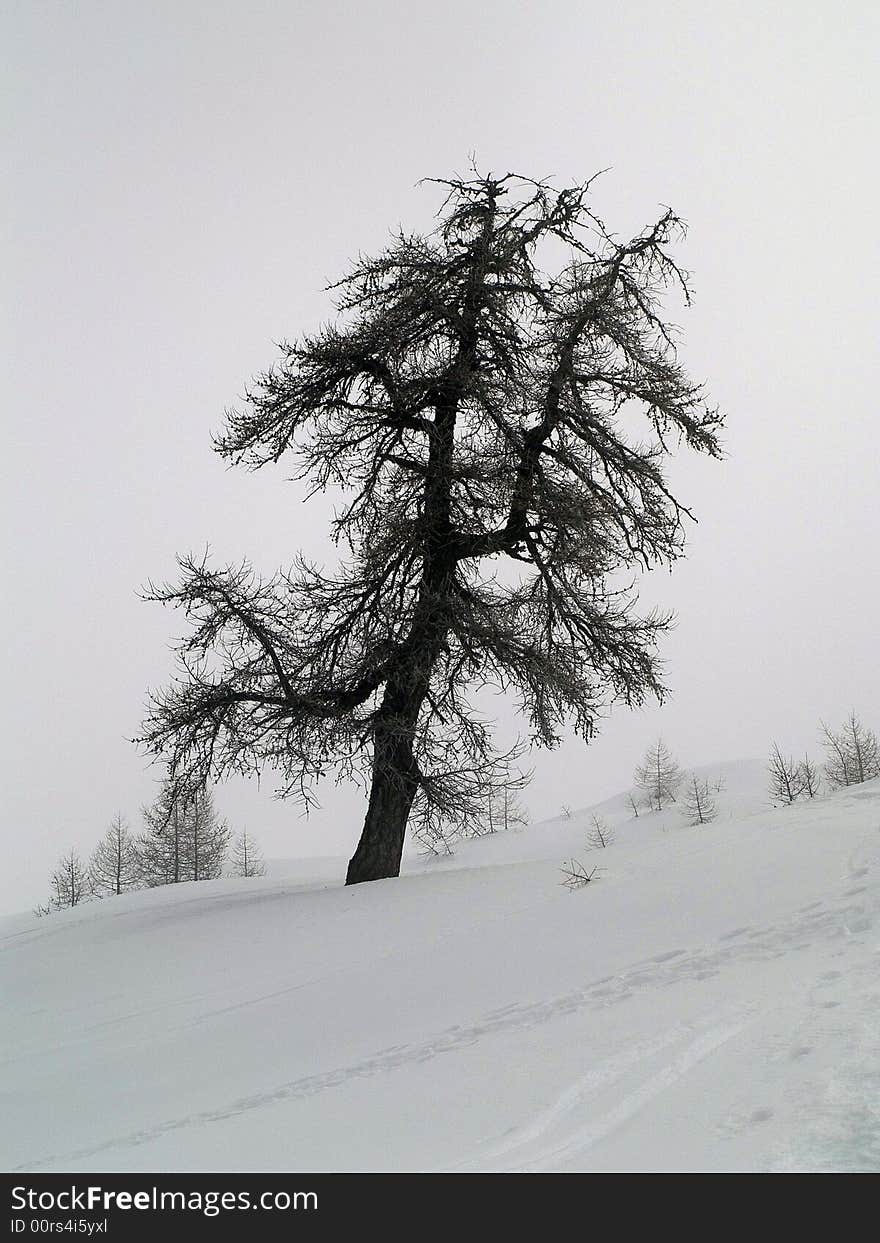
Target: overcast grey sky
(182,179)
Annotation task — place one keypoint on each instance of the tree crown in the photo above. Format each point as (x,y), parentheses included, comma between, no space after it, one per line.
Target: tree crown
(495,405)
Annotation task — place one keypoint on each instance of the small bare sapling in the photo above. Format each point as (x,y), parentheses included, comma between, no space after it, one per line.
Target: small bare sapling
(598,834)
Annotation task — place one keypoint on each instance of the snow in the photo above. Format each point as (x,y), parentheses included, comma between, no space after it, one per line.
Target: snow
(709,1002)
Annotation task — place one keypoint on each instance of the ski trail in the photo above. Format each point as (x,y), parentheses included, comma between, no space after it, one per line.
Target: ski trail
(843,918)
(553,1149)
(540,1144)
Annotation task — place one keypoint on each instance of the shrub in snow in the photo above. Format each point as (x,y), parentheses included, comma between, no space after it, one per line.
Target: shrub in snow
(576,875)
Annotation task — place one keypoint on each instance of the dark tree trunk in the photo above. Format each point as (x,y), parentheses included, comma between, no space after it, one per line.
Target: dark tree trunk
(392,792)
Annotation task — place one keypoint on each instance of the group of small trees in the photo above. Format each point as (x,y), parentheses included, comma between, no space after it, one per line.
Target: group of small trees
(181,840)
(853,756)
(661,781)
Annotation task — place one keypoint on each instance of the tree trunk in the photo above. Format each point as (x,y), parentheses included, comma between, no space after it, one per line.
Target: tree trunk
(392,792)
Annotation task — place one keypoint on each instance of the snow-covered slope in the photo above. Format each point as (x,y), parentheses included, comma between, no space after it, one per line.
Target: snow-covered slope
(709,1002)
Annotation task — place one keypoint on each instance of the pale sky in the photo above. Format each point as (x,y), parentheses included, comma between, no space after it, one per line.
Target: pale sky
(183,179)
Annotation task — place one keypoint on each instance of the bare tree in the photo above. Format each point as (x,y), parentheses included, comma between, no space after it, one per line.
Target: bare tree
(785,777)
(598,834)
(576,874)
(70,882)
(810,780)
(658,776)
(634,806)
(246,857)
(699,805)
(183,838)
(506,811)
(162,847)
(853,753)
(207,836)
(115,865)
(502,809)
(470,405)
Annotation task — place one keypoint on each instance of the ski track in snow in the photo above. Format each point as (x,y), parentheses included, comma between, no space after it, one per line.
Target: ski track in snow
(643,1071)
(688,1048)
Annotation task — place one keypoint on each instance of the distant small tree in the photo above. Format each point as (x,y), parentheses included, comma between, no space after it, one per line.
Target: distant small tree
(699,805)
(659,776)
(853,753)
(115,865)
(634,805)
(246,857)
(508,812)
(810,779)
(70,882)
(598,834)
(785,777)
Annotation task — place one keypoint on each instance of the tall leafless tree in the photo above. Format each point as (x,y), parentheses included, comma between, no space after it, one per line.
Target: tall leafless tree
(115,865)
(658,776)
(478,413)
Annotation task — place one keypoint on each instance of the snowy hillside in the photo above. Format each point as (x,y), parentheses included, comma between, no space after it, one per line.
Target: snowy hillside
(709,1002)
